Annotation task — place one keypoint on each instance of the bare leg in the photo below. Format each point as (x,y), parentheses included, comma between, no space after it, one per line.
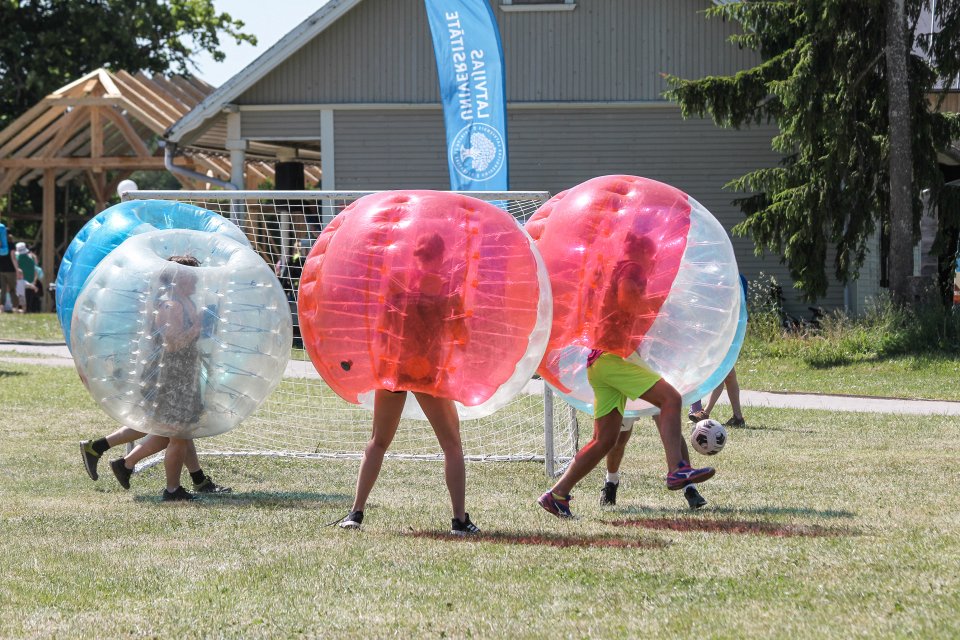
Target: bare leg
(665,397)
(714,396)
(192,460)
(150,445)
(733,393)
(606,430)
(387,407)
(615,457)
(123,435)
(684,451)
(442,414)
(173,462)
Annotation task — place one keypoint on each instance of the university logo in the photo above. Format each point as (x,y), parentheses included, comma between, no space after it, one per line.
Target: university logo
(477,152)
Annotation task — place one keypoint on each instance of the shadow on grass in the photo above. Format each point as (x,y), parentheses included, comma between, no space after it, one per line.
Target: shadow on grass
(6,374)
(277,499)
(739,511)
(547,539)
(741,527)
(761,427)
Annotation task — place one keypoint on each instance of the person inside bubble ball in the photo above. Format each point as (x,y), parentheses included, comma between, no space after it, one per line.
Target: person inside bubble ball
(424,309)
(615,379)
(170,388)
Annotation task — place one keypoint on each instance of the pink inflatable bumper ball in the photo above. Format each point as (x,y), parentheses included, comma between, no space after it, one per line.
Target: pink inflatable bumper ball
(425,291)
(639,269)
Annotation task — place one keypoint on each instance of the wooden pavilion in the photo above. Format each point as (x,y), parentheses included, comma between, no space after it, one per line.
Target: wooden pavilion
(100,129)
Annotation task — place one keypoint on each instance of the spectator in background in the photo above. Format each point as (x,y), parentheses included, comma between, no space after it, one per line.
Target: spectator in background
(9,272)
(27,284)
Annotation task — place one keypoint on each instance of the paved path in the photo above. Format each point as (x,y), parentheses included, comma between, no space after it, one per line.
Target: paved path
(58,355)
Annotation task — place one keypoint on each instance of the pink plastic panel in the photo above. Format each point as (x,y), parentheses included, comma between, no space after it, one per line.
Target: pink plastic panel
(420,291)
(612,247)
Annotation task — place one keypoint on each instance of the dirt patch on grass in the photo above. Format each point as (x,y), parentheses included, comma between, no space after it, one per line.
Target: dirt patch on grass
(547,540)
(741,527)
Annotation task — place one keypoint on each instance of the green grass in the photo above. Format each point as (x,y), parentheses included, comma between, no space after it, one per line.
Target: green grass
(864,508)
(921,376)
(42,327)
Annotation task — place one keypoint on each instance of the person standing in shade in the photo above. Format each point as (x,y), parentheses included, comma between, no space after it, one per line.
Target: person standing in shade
(9,272)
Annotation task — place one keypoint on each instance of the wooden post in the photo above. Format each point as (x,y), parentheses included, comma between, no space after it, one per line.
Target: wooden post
(49,235)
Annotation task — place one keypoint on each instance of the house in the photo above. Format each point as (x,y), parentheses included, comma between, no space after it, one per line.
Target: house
(357,84)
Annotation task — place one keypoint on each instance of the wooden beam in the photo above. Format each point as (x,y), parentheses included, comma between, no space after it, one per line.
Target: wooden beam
(96,133)
(106,162)
(68,129)
(27,134)
(198,93)
(9,179)
(49,239)
(136,93)
(123,125)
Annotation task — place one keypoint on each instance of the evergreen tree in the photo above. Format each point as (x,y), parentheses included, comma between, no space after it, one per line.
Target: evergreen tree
(824,80)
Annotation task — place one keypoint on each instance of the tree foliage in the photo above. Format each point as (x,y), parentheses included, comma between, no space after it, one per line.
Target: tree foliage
(49,43)
(822,80)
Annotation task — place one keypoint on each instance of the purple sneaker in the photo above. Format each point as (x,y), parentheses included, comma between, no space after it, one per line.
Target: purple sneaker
(685,474)
(559,507)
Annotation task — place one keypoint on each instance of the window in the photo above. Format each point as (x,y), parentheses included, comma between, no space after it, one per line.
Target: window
(537,5)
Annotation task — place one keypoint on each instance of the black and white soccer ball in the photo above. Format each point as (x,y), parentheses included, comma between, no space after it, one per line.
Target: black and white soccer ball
(708,437)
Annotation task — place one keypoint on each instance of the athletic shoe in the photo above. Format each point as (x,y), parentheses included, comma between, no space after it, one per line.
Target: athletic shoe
(559,507)
(209,486)
(685,474)
(463,528)
(180,495)
(90,458)
(352,521)
(121,472)
(697,416)
(608,495)
(694,499)
(736,422)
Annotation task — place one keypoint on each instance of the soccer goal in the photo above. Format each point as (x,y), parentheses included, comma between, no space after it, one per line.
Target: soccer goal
(303,417)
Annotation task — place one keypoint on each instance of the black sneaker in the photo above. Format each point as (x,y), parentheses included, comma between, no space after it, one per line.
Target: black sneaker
(352,521)
(694,499)
(608,495)
(463,527)
(180,495)
(90,458)
(209,486)
(121,472)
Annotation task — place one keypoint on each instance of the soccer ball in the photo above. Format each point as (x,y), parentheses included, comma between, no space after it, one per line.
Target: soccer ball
(708,437)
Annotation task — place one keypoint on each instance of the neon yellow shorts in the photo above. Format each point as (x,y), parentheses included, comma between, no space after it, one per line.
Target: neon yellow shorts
(614,380)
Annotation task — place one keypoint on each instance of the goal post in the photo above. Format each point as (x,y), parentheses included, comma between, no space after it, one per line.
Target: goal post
(303,417)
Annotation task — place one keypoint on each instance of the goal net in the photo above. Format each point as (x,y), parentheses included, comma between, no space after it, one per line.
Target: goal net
(303,417)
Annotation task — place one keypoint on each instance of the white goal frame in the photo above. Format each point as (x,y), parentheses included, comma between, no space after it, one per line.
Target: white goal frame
(275,222)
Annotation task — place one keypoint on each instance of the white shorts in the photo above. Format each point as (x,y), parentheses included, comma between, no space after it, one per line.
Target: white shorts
(21,288)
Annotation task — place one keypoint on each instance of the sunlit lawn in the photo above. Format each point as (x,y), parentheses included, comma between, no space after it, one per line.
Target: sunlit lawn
(819,525)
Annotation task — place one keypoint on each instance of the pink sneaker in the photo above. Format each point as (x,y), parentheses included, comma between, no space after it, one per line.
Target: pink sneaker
(559,507)
(685,474)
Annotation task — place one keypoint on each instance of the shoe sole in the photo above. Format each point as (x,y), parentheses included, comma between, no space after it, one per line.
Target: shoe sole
(214,491)
(349,525)
(124,482)
(91,471)
(463,534)
(703,477)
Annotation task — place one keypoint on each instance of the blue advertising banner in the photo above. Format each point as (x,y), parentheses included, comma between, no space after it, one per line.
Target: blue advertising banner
(466,42)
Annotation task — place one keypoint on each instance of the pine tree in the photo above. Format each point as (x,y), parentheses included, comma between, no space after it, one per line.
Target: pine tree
(824,81)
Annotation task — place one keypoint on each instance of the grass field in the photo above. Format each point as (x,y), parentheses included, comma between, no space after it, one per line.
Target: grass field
(820,525)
